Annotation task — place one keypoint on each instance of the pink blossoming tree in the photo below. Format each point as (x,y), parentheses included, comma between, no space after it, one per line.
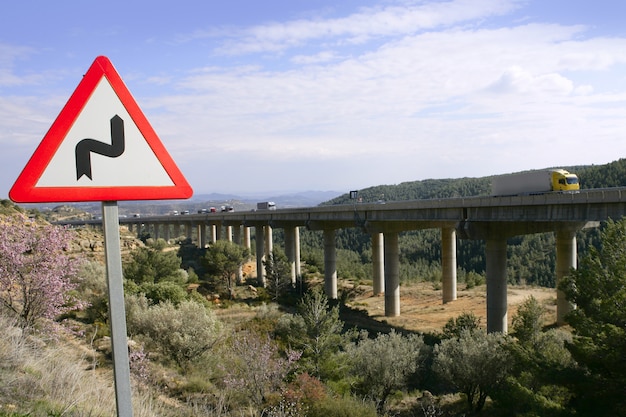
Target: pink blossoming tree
(37,272)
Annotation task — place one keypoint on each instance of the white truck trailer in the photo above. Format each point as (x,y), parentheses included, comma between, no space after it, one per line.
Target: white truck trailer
(534,182)
(266,205)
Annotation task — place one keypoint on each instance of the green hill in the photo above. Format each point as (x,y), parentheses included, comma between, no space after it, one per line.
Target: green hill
(591,176)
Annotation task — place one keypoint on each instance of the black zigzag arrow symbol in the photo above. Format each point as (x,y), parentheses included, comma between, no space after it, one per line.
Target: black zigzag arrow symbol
(85,147)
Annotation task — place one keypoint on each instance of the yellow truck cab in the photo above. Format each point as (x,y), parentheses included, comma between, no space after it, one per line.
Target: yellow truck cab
(564,181)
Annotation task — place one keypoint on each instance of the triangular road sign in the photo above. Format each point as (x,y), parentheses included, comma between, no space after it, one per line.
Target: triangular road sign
(101,147)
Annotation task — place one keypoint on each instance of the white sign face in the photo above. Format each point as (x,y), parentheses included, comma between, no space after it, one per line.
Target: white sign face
(135,165)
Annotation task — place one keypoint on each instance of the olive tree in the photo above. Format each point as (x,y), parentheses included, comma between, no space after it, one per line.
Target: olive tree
(385,364)
(475,364)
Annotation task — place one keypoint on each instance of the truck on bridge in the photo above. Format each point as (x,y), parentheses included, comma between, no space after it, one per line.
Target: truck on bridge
(266,205)
(534,182)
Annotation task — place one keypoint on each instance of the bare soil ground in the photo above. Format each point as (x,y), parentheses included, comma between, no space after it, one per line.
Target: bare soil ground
(422,308)
(421,305)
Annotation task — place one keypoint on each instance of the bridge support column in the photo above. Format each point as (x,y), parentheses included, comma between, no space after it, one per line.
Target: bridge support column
(202,235)
(166,232)
(237,234)
(229,233)
(448,263)
(296,245)
(188,228)
(392,275)
(378,263)
(246,237)
(330,264)
(260,254)
(212,233)
(565,260)
(269,239)
(496,285)
(290,251)
(157,234)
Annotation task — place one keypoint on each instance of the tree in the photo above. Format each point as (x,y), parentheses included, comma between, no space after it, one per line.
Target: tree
(598,289)
(152,265)
(528,321)
(277,273)
(37,273)
(155,273)
(385,364)
(540,364)
(316,330)
(224,258)
(475,364)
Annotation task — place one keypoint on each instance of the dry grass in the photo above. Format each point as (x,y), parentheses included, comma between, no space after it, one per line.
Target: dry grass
(57,378)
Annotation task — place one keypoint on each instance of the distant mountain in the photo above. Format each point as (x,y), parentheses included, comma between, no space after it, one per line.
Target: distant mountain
(300,199)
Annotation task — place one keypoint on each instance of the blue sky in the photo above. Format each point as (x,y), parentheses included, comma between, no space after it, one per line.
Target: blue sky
(280,96)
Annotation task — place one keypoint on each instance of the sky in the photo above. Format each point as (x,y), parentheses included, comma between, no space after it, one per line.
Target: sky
(250,96)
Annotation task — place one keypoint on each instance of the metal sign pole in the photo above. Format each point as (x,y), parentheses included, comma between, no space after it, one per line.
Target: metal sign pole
(117,309)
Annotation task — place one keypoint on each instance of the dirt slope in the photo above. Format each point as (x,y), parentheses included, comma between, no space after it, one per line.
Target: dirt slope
(422,309)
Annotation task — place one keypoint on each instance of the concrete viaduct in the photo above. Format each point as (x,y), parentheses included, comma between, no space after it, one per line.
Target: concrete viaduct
(492,219)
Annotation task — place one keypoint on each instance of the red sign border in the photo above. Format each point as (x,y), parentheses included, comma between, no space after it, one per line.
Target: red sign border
(25,190)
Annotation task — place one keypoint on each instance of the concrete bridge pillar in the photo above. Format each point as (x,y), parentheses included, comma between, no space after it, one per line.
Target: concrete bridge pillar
(290,251)
(212,233)
(157,234)
(188,229)
(260,254)
(269,239)
(496,284)
(448,263)
(229,233)
(296,244)
(392,274)
(378,263)
(330,264)
(166,234)
(202,235)
(565,260)
(246,237)
(237,234)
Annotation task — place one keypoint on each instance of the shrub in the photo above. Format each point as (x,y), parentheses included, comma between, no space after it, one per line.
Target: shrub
(183,333)
(342,407)
(456,326)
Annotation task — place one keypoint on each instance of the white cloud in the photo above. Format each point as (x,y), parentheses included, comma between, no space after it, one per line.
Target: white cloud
(417,105)
(8,55)
(374,22)
(516,80)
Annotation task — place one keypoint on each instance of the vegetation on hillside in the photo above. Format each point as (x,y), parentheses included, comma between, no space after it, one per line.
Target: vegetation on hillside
(297,358)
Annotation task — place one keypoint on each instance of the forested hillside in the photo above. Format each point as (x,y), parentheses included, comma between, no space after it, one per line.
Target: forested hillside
(531,258)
